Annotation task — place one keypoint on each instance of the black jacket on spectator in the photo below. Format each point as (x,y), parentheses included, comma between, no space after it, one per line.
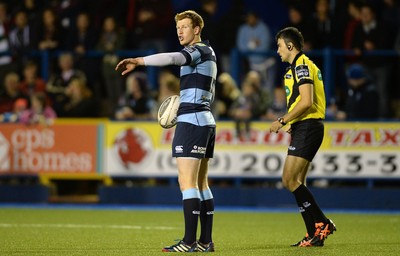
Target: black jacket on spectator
(362,102)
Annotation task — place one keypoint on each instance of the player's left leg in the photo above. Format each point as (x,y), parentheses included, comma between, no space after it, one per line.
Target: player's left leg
(205,243)
(307,217)
(294,169)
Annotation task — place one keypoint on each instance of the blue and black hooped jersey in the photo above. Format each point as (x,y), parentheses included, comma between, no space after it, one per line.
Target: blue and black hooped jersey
(197,88)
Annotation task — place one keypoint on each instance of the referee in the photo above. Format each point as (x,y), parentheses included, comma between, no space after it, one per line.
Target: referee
(305,99)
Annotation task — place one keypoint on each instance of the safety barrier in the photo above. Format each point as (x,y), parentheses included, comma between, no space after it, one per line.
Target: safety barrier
(97,160)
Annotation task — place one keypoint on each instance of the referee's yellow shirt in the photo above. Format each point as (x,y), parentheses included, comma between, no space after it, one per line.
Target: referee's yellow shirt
(303,71)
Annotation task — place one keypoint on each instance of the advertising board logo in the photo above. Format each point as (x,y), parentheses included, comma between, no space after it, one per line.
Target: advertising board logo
(4,154)
(132,147)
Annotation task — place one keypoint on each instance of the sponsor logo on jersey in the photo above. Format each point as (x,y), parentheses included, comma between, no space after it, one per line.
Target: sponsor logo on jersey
(302,71)
(196,212)
(198,150)
(287,90)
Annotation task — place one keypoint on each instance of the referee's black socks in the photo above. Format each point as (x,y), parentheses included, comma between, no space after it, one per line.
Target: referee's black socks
(306,200)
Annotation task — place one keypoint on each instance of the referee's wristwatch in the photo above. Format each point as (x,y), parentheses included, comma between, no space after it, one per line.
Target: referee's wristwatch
(280,120)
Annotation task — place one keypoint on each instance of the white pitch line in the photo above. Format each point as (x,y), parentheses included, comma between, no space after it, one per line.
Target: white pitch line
(9,225)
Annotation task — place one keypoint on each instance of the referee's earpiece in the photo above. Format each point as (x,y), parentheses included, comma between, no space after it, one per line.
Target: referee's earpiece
(289,47)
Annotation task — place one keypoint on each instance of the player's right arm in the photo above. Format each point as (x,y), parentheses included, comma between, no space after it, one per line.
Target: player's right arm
(129,64)
(160,59)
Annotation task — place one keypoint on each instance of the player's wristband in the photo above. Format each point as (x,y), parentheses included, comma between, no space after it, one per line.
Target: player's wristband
(280,120)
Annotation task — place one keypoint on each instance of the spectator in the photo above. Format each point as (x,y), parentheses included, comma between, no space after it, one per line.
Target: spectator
(254,35)
(168,85)
(66,11)
(135,103)
(227,95)
(32,83)
(20,39)
(227,30)
(390,13)
(354,11)
(362,100)
(264,95)
(111,40)
(6,65)
(323,26)
(299,20)
(59,80)
(83,38)
(39,112)
(49,32)
(19,107)
(99,10)
(80,101)
(349,21)
(30,7)
(369,36)
(11,93)
(151,24)
(208,11)
(278,106)
(244,108)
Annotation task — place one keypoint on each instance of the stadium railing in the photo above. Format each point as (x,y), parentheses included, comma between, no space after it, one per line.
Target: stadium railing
(332,59)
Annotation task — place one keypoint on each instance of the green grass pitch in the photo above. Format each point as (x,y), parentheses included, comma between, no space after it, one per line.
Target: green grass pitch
(61,231)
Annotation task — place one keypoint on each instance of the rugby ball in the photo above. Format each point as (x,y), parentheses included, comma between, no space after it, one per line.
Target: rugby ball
(168,112)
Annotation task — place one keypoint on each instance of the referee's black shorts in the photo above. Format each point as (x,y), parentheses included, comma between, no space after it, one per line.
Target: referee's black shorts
(307,136)
(193,141)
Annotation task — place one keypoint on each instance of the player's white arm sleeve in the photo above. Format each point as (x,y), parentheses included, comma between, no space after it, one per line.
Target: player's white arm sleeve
(164,59)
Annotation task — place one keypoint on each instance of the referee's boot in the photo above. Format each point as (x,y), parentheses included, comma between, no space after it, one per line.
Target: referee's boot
(322,231)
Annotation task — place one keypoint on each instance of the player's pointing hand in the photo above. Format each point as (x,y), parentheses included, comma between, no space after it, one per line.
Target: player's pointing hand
(129,64)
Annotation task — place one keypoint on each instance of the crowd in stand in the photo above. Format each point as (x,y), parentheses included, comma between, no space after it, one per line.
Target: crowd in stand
(81,86)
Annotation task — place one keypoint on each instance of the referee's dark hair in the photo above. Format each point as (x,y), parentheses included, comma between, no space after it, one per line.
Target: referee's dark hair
(291,35)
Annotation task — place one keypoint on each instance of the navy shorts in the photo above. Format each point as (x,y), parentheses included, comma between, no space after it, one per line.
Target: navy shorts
(307,136)
(193,141)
